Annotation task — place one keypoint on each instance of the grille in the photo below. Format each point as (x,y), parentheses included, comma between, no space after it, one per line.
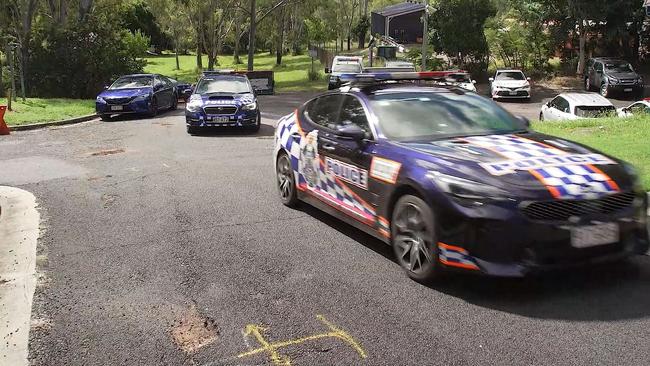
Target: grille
(628,81)
(118,100)
(220,110)
(563,210)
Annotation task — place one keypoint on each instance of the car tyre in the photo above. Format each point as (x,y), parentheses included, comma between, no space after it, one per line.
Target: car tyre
(192,130)
(105,117)
(413,233)
(541,117)
(258,124)
(604,90)
(286,180)
(153,108)
(174,105)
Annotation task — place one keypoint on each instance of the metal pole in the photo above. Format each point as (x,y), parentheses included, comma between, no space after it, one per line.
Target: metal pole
(424,36)
(251,37)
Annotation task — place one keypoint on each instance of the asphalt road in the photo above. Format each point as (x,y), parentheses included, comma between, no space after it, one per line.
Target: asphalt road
(160,248)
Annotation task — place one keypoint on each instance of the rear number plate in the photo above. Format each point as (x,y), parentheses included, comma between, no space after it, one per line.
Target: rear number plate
(627,89)
(117,107)
(594,235)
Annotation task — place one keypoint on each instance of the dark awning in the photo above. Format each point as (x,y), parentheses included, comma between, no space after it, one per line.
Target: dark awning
(400,9)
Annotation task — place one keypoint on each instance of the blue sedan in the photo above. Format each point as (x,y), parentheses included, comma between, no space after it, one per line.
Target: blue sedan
(137,94)
(454,182)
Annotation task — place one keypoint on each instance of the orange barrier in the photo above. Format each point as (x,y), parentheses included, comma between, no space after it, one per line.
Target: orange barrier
(4,129)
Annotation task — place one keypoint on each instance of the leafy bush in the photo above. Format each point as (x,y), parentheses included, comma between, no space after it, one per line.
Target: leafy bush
(76,61)
(314,75)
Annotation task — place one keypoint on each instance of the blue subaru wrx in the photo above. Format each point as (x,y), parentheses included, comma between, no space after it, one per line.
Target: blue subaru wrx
(454,182)
(137,94)
(222,99)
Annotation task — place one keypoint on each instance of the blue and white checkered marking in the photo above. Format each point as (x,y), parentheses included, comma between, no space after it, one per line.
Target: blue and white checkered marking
(564,181)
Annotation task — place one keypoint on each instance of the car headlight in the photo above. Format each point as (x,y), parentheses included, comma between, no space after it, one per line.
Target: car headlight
(100,100)
(250,107)
(467,189)
(194,106)
(613,80)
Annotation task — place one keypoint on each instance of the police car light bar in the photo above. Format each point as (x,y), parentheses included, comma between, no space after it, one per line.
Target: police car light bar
(220,72)
(395,76)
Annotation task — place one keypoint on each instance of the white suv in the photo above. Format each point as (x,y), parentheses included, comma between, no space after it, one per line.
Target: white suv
(510,84)
(343,65)
(570,106)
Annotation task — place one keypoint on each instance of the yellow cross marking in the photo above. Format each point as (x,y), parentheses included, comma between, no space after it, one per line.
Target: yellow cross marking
(272,347)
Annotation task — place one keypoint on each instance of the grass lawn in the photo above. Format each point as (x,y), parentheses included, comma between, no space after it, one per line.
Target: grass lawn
(46,110)
(624,138)
(290,76)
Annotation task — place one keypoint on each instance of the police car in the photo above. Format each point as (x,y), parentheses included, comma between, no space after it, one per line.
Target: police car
(222,99)
(454,182)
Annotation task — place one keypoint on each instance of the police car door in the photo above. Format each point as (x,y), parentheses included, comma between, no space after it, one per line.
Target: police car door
(348,160)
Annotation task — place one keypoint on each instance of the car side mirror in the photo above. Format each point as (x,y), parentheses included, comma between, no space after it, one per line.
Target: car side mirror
(106,87)
(187,91)
(473,81)
(529,79)
(524,122)
(328,70)
(350,131)
(491,79)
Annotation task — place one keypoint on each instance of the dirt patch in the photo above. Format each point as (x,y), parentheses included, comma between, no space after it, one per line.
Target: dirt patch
(563,83)
(109,199)
(192,330)
(107,152)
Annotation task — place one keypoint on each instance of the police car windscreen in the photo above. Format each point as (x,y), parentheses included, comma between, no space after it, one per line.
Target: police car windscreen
(346,68)
(132,82)
(422,116)
(234,85)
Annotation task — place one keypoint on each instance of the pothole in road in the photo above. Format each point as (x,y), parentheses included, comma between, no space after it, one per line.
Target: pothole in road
(192,330)
(107,152)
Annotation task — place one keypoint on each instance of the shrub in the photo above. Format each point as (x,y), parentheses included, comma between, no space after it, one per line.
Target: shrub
(314,75)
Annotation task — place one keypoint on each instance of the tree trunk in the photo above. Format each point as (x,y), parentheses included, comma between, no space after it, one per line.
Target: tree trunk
(583,41)
(279,48)
(349,42)
(236,58)
(251,37)
(199,56)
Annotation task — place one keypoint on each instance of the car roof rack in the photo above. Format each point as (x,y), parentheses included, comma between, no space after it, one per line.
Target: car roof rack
(383,77)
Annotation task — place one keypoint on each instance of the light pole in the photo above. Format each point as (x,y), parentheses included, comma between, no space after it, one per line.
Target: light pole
(424,35)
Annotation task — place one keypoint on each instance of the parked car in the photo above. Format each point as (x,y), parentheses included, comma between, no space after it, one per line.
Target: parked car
(452,181)
(610,75)
(510,84)
(636,109)
(222,99)
(183,89)
(462,79)
(570,106)
(343,65)
(400,64)
(137,94)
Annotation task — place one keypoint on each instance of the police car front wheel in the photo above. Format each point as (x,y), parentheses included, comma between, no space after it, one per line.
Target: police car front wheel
(286,181)
(413,233)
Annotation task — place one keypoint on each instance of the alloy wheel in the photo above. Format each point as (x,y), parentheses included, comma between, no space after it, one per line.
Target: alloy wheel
(286,181)
(411,236)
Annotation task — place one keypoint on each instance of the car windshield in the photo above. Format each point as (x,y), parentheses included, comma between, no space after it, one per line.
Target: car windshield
(619,67)
(510,75)
(595,111)
(226,84)
(346,68)
(131,82)
(421,116)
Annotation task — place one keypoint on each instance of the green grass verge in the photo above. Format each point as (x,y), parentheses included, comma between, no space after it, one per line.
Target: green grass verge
(624,138)
(35,110)
(290,76)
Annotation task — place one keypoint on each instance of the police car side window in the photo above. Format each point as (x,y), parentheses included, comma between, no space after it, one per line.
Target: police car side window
(352,112)
(324,111)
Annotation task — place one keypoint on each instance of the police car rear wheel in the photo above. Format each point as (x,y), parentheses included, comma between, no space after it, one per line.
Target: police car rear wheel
(286,181)
(413,233)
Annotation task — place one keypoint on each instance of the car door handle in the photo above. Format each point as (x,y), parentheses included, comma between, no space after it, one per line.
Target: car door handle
(329,147)
(295,136)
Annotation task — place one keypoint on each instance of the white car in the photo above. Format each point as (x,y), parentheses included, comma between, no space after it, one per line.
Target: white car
(510,84)
(571,106)
(635,109)
(463,80)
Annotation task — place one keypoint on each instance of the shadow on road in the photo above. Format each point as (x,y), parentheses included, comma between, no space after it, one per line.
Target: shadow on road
(608,292)
(143,118)
(265,131)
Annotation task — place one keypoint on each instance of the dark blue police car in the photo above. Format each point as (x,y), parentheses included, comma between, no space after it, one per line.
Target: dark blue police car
(137,94)
(222,99)
(453,181)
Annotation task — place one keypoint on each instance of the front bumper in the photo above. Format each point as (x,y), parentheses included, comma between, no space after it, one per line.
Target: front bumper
(511,93)
(626,88)
(503,241)
(132,107)
(241,119)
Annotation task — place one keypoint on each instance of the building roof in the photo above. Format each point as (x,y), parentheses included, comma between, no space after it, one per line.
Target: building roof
(400,9)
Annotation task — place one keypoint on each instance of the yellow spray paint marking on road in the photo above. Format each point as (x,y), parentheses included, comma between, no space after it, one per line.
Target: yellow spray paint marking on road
(271,348)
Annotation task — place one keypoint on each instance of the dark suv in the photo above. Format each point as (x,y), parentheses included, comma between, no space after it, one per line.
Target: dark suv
(613,75)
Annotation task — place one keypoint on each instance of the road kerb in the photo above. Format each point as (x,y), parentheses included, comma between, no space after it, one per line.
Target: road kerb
(19,230)
(70,121)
